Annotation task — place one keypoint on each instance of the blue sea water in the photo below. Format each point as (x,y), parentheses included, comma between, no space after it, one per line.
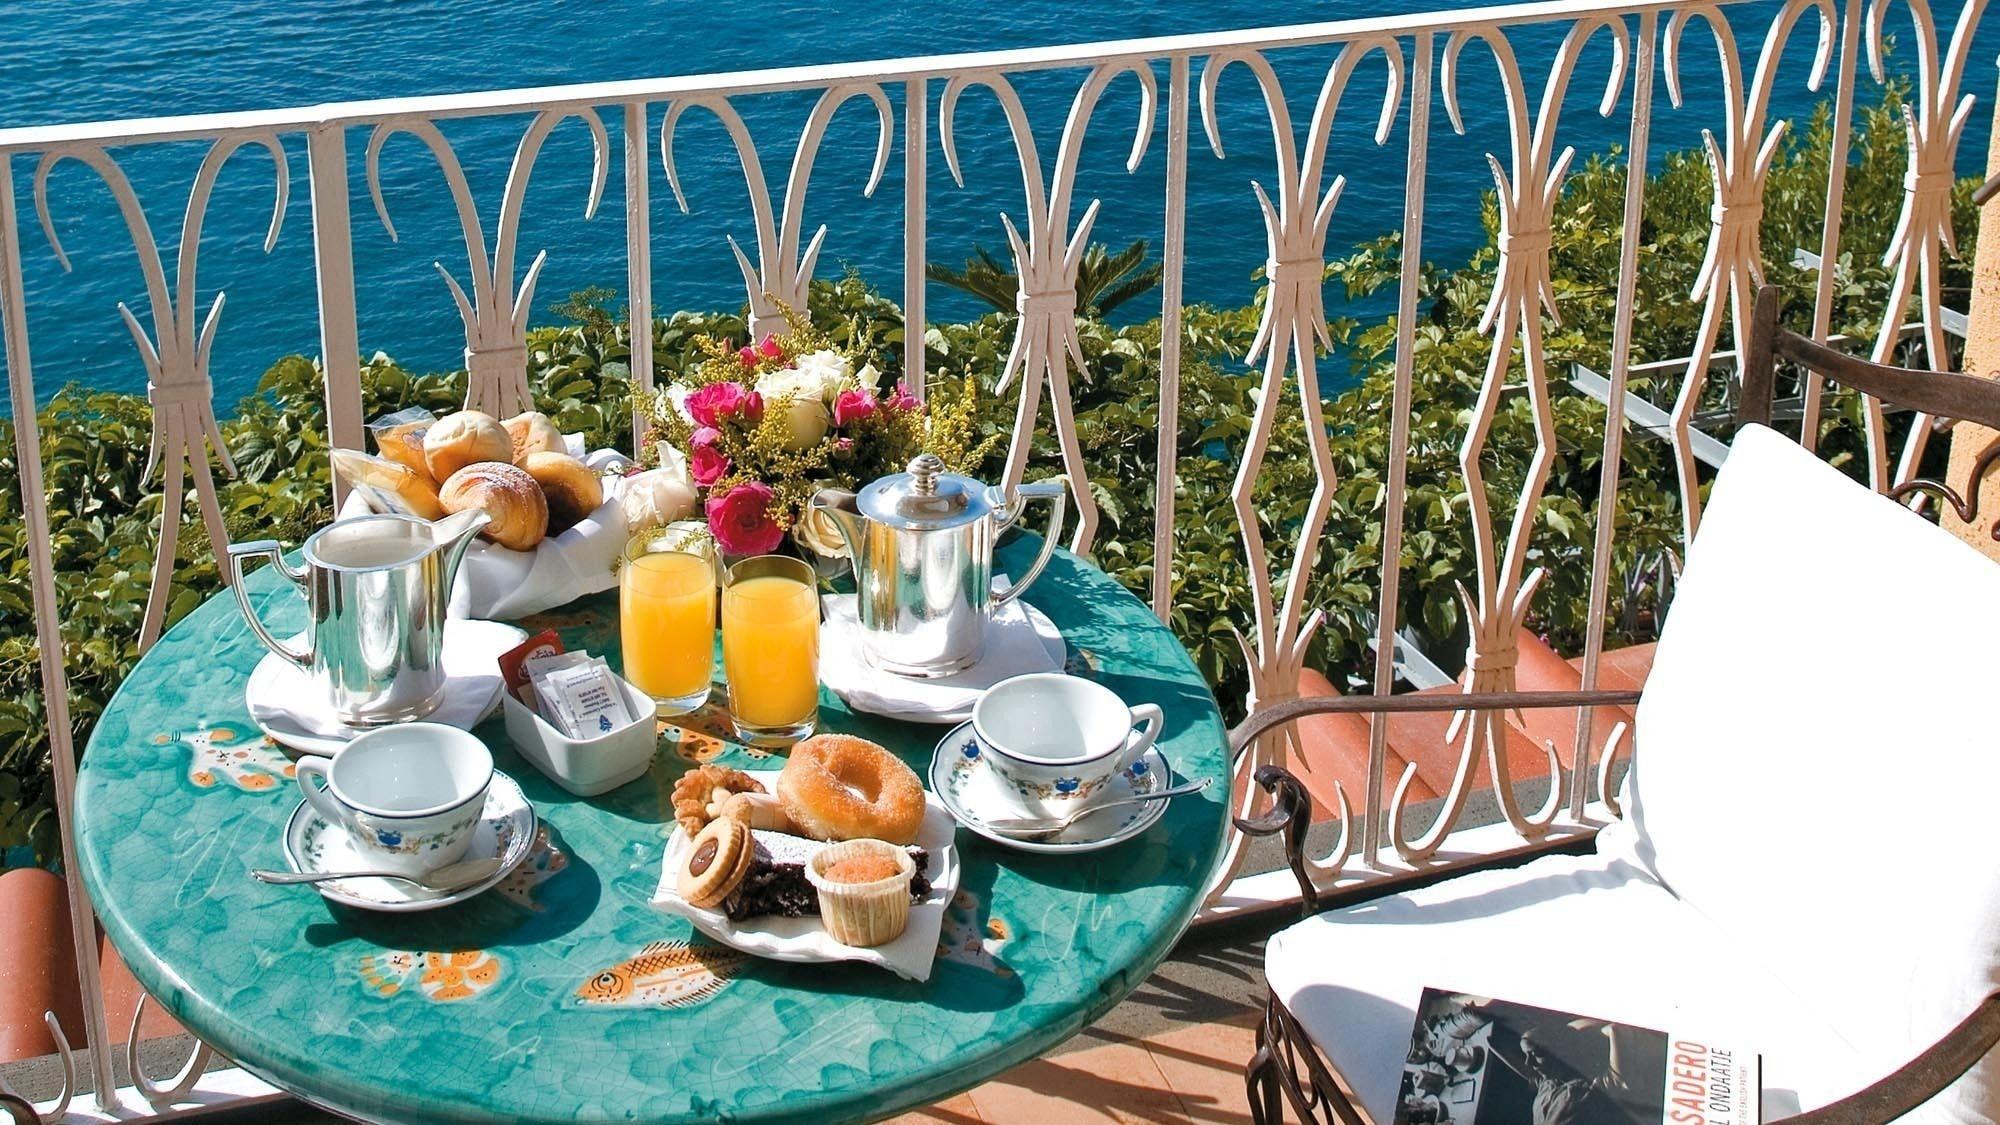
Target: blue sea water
(70,62)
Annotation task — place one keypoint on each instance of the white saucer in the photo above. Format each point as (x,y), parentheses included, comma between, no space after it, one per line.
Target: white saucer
(287,705)
(805,939)
(506,829)
(973,792)
(1019,639)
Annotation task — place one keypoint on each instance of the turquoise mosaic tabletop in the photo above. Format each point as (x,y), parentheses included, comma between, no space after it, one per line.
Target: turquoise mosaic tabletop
(473,1012)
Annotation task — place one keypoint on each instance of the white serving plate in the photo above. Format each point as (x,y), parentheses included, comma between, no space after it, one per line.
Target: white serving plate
(804,939)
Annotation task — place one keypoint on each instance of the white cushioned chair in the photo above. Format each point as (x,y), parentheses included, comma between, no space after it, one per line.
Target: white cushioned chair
(1809,862)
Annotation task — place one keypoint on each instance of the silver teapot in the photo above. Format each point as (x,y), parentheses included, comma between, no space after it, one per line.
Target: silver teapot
(375,589)
(923,543)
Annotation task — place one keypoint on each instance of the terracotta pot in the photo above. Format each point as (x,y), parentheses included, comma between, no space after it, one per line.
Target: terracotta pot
(38,973)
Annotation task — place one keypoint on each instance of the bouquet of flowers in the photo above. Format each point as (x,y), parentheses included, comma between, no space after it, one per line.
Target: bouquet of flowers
(760,428)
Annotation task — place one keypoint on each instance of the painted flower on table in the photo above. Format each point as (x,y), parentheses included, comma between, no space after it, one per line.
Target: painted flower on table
(740,519)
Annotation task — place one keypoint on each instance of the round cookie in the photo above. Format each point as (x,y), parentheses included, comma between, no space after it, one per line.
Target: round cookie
(717,859)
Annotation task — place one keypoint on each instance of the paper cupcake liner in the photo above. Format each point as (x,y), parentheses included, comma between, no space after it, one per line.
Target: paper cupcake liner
(863,914)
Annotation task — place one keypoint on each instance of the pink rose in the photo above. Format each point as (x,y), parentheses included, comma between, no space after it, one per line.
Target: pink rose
(903,398)
(852,406)
(706,463)
(769,349)
(709,405)
(741,522)
(748,355)
(752,408)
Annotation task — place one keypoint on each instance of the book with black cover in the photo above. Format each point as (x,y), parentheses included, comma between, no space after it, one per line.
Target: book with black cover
(1475,1060)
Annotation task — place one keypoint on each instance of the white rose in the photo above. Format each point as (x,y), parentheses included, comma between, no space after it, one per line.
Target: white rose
(807,418)
(677,395)
(829,367)
(819,533)
(869,378)
(655,498)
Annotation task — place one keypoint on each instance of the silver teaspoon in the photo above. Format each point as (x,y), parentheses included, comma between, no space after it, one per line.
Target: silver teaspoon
(450,877)
(1050,825)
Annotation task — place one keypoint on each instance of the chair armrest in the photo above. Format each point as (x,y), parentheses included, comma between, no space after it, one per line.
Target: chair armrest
(1291,811)
(1919,1080)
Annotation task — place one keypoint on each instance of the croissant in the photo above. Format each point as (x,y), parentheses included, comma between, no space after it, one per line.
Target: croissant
(520,514)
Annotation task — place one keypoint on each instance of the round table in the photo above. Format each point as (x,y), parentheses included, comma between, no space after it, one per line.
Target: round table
(471,1012)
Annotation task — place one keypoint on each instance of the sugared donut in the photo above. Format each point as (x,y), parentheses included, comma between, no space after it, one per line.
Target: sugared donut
(839,787)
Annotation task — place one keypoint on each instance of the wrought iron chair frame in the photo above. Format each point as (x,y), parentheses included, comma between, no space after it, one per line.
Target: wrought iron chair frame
(1287,1068)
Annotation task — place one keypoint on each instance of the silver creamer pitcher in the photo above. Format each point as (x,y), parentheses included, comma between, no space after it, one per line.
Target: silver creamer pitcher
(375,588)
(923,543)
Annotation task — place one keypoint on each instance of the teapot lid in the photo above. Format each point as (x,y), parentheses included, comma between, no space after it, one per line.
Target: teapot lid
(925,498)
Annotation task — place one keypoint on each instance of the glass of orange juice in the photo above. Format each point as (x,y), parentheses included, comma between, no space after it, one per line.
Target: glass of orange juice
(770,649)
(666,622)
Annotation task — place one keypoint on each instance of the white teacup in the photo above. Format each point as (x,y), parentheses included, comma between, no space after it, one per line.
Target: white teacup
(409,794)
(1057,739)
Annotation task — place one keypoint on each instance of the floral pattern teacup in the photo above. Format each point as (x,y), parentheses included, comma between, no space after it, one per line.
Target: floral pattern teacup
(1057,739)
(408,794)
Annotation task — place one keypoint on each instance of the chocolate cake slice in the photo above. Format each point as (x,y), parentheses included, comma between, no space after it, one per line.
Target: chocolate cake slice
(777,881)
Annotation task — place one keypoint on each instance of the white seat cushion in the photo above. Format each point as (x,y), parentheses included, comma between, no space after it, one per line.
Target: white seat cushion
(1593,935)
(1816,763)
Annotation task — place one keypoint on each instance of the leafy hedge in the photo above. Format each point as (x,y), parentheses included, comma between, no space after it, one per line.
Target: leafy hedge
(103,513)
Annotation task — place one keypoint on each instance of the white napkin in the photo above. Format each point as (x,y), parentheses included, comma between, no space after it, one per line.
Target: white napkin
(496,583)
(1019,639)
(805,939)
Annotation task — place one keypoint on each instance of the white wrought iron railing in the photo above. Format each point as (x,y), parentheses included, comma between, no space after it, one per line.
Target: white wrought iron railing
(1419,59)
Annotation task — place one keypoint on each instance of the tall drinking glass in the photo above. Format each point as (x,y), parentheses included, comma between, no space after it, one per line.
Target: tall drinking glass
(666,623)
(770,649)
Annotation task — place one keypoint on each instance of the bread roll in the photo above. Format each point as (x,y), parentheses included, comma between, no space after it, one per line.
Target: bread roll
(532,432)
(387,485)
(457,440)
(404,445)
(508,494)
(572,489)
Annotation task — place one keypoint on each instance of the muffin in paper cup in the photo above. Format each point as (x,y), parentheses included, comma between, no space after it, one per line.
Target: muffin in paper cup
(864,890)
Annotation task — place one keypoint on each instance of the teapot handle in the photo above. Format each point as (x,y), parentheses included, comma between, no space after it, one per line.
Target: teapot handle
(265,547)
(1055,490)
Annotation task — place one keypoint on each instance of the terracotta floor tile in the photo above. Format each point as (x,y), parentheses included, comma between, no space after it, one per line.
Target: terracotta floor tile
(951,1111)
(1116,1082)
(1203,1065)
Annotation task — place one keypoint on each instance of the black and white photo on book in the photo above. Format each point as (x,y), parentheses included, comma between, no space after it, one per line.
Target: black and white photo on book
(1476,1060)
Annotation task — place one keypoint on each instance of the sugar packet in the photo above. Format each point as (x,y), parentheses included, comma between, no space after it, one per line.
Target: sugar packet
(578,694)
(513,669)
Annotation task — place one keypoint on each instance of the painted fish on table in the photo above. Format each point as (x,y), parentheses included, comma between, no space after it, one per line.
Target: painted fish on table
(665,974)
